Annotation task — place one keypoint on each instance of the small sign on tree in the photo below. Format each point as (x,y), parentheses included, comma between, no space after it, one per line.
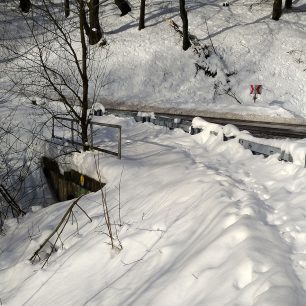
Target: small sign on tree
(256,90)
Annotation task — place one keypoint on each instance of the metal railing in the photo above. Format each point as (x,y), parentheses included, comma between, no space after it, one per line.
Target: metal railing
(74,127)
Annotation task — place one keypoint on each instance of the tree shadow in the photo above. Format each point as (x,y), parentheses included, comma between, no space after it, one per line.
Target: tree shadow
(123,28)
(297,9)
(170,12)
(259,20)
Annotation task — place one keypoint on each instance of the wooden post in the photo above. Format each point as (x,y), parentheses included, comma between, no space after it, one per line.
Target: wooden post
(142,15)
(119,144)
(123,6)
(25,5)
(67,8)
(184,17)
(288,4)
(277,9)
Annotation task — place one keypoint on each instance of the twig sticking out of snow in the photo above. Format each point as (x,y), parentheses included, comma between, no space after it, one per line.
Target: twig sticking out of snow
(201,51)
(210,36)
(113,236)
(58,231)
(16,210)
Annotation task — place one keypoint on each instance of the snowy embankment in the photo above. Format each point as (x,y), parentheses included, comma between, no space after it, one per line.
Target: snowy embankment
(148,67)
(295,147)
(204,223)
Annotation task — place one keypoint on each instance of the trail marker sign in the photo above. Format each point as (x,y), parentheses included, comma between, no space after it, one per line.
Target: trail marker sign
(82,180)
(256,90)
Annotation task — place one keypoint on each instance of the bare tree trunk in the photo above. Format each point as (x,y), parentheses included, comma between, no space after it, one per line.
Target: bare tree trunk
(95,33)
(67,8)
(288,4)
(277,9)
(142,15)
(85,83)
(183,12)
(123,6)
(25,5)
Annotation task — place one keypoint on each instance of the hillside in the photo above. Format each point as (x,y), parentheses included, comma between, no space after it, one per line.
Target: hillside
(149,66)
(245,46)
(197,220)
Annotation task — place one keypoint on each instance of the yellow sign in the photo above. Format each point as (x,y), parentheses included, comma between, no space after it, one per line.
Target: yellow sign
(82,180)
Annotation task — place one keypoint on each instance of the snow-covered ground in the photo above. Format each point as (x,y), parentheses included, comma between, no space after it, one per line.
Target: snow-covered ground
(149,67)
(251,47)
(204,223)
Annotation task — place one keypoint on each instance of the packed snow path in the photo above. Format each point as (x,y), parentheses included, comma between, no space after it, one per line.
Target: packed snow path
(205,223)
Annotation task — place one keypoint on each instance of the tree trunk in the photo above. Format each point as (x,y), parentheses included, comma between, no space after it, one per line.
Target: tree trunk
(95,33)
(123,6)
(183,12)
(84,76)
(288,4)
(25,5)
(277,9)
(67,8)
(142,15)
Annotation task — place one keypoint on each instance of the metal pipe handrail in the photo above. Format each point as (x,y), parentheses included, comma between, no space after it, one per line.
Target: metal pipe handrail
(91,124)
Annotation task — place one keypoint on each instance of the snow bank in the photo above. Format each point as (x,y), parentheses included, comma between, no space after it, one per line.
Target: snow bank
(204,224)
(297,148)
(149,67)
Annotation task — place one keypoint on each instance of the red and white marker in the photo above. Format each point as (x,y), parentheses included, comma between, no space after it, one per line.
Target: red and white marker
(256,90)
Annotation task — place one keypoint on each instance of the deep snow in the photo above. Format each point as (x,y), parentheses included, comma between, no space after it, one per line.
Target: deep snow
(150,68)
(205,223)
(250,46)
